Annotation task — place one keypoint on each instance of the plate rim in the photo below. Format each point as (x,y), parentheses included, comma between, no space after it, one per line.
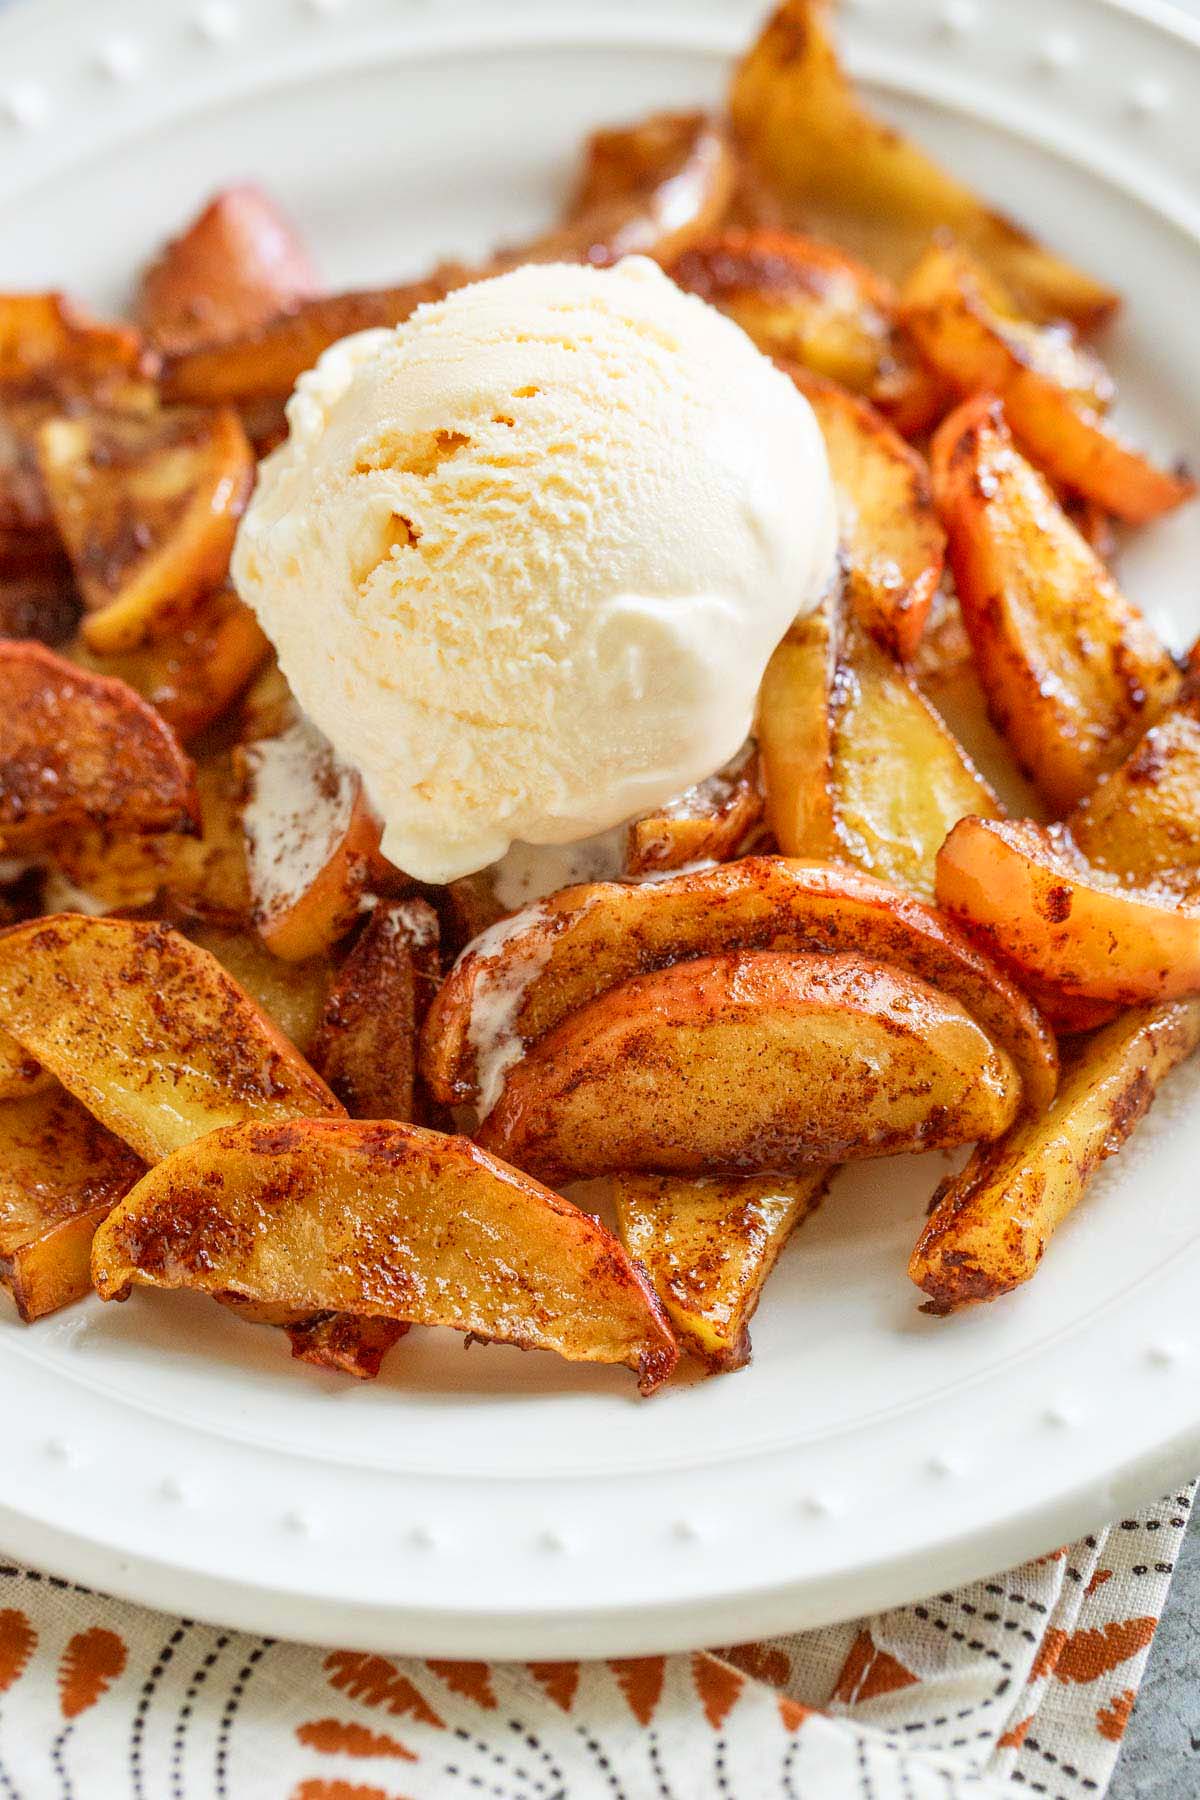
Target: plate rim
(631,1627)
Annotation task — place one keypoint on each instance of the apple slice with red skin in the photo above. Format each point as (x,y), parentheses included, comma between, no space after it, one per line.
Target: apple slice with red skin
(83,749)
(748,1063)
(385,1220)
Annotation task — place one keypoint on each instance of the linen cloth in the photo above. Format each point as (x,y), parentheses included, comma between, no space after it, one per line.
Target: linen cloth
(1022,1683)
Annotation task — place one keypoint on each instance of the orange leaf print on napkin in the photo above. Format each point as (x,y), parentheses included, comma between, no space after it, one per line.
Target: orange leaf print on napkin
(18,1640)
(558,1680)
(1089,1654)
(470,1679)
(762,1662)
(640,1679)
(339,1790)
(91,1662)
(1049,1651)
(1112,1719)
(377,1682)
(793,1713)
(868,1672)
(347,1738)
(718,1687)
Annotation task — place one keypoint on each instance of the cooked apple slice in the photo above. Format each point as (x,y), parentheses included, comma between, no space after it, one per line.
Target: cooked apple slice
(708,1244)
(38,601)
(30,551)
(795,735)
(291,994)
(812,303)
(148,1031)
(52,358)
(78,748)
(344,1343)
(200,875)
(469,908)
(263,365)
(20,1073)
(1025,890)
(708,823)
(750,1062)
(520,982)
(892,538)
(1142,822)
(197,673)
(858,765)
(383,1219)
(646,189)
(991,1223)
(310,840)
(268,707)
(238,264)
(1073,672)
(900,778)
(1050,389)
(147,508)
(852,178)
(40,333)
(366,1043)
(60,1173)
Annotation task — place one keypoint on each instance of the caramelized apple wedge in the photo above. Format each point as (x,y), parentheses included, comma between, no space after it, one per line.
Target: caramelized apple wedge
(238,264)
(60,1173)
(795,735)
(310,841)
(147,508)
(811,303)
(345,1343)
(708,1244)
(710,822)
(200,874)
(892,538)
(750,1062)
(900,777)
(517,984)
(857,764)
(263,365)
(268,707)
(44,334)
(37,600)
(1072,671)
(991,1224)
(148,1031)
(468,908)
(850,177)
(1142,822)
(292,994)
(647,189)
(20,1073)
(1025,892)
(365,1045)
(77,748)
(193,676)
(388,1220)
(1052,391)
(53,357)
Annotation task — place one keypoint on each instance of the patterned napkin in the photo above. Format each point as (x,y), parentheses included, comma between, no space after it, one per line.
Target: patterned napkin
(1025,1680)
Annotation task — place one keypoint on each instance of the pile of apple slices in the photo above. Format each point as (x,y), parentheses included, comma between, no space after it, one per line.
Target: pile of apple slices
(234,1040)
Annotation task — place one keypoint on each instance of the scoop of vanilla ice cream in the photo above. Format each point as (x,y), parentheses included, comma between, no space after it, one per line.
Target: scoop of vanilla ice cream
(524,559)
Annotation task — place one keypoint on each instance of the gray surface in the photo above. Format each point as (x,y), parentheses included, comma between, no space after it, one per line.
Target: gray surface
(1160,1758)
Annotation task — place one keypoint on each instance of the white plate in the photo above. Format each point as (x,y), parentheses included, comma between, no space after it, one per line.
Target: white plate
(494,1504)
